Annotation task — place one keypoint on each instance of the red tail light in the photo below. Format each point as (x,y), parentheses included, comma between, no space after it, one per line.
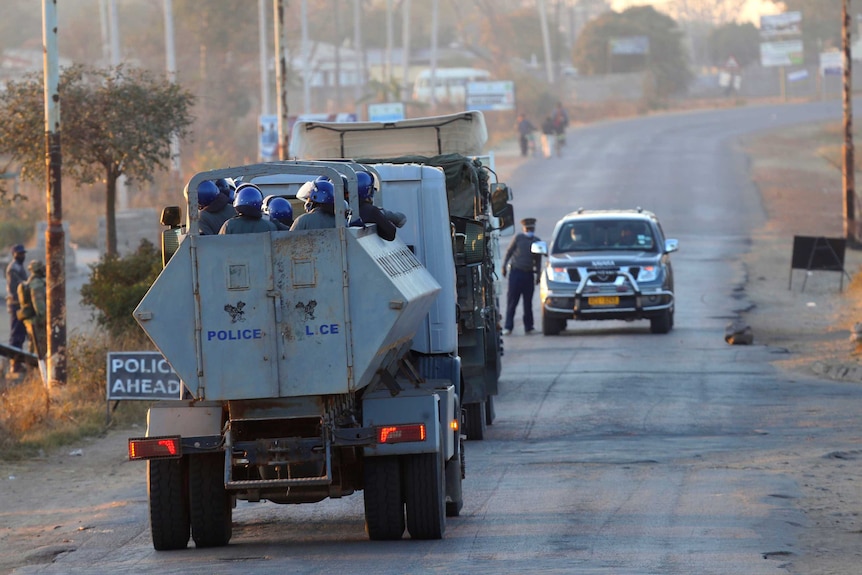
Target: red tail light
(155,448)
(401,433)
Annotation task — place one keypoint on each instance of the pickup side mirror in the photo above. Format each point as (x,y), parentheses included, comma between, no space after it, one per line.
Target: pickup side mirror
(539,247)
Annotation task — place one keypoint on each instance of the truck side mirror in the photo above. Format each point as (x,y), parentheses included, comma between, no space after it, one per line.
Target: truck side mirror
(500,197)
(506,217)
(171,216)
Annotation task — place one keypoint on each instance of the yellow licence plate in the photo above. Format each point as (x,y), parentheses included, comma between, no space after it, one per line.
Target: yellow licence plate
(604,300)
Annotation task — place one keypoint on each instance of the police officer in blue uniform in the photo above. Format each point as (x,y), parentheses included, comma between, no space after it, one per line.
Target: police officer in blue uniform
(523,269)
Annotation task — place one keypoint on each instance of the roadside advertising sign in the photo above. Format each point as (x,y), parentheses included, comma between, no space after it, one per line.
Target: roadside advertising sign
(781,53)
(141,375)
(781,25)
(629,45)
(499,95)
(831,63)
(386,112)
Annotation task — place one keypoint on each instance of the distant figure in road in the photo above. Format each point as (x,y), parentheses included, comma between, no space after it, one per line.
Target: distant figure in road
(15,275)
(549,137)
(525,133)
(561,121)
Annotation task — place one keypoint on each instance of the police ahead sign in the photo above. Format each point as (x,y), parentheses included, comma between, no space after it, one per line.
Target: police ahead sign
(141,375)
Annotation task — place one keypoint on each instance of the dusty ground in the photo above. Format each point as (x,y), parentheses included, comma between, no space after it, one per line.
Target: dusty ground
(802,194)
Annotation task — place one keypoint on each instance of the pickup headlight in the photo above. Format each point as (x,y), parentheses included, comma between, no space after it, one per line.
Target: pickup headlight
(556,274)
(648,274)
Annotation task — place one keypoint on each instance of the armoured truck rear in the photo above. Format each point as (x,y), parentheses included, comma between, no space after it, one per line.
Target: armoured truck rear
(478,210)
(294,349)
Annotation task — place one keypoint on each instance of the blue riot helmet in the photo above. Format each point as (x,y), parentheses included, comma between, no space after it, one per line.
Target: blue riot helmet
(227,187)
(248,200)
(281,210)
(365,183)
(323,192)
(207,192)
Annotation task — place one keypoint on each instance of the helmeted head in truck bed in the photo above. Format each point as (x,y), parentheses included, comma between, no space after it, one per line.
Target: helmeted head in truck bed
(248,201)
(207,192)
(365,185)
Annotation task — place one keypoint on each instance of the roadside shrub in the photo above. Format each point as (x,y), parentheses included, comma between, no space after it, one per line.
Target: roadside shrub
(117,285)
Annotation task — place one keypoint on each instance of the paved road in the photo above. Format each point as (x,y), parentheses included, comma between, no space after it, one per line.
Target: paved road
(615,451)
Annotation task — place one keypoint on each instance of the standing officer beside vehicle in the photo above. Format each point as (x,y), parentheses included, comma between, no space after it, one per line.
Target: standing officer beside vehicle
(32,298)
(524,275)
(15,275)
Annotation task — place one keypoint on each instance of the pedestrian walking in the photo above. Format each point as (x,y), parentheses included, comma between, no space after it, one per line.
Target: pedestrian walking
(525,133)
(560,120)
(523,269)
(549,137)
(15,275)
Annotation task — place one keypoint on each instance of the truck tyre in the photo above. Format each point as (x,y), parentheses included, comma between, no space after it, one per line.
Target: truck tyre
(552,325)
(454,478)
(490,412)
(474,421)
(661,323)
(384,507)
(455,468)
(210,503)
(425,495)
(168,492)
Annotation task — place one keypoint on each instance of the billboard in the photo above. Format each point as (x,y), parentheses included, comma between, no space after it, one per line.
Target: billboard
(787,24)
(781,53)
(499,95)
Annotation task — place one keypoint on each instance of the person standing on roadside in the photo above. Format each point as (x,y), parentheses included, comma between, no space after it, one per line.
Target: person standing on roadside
(524,274)
(15,275)
(32,298)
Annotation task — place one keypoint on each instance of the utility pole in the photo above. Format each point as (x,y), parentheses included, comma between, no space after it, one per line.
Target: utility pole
(546,42)
(281,77)
(171,63)
(55,237)
(435,24)
(405,55)
(264,72)
(849,160)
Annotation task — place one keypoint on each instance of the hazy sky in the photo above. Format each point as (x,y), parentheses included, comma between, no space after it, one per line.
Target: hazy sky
(752,12)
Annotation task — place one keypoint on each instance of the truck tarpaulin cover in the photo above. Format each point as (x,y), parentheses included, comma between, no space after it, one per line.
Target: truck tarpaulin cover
(464,177)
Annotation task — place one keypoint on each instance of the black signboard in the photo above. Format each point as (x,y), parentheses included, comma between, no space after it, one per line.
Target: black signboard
(141,375)
(812,253)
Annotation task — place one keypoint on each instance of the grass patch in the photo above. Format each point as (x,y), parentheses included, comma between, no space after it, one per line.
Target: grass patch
(34,421)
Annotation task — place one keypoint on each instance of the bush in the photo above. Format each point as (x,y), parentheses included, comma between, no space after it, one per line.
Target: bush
(118,284)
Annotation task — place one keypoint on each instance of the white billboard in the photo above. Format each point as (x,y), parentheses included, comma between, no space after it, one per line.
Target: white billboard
(782,53)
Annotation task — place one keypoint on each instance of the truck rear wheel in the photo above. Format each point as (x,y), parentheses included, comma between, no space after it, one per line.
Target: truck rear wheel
(168,492)
(425,495)
(210,503)
(384,507)
(474,421)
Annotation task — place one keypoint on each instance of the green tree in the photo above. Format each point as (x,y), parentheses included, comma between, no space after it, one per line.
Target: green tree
(741,41)
(666,62)
(117,285)
(115,122)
